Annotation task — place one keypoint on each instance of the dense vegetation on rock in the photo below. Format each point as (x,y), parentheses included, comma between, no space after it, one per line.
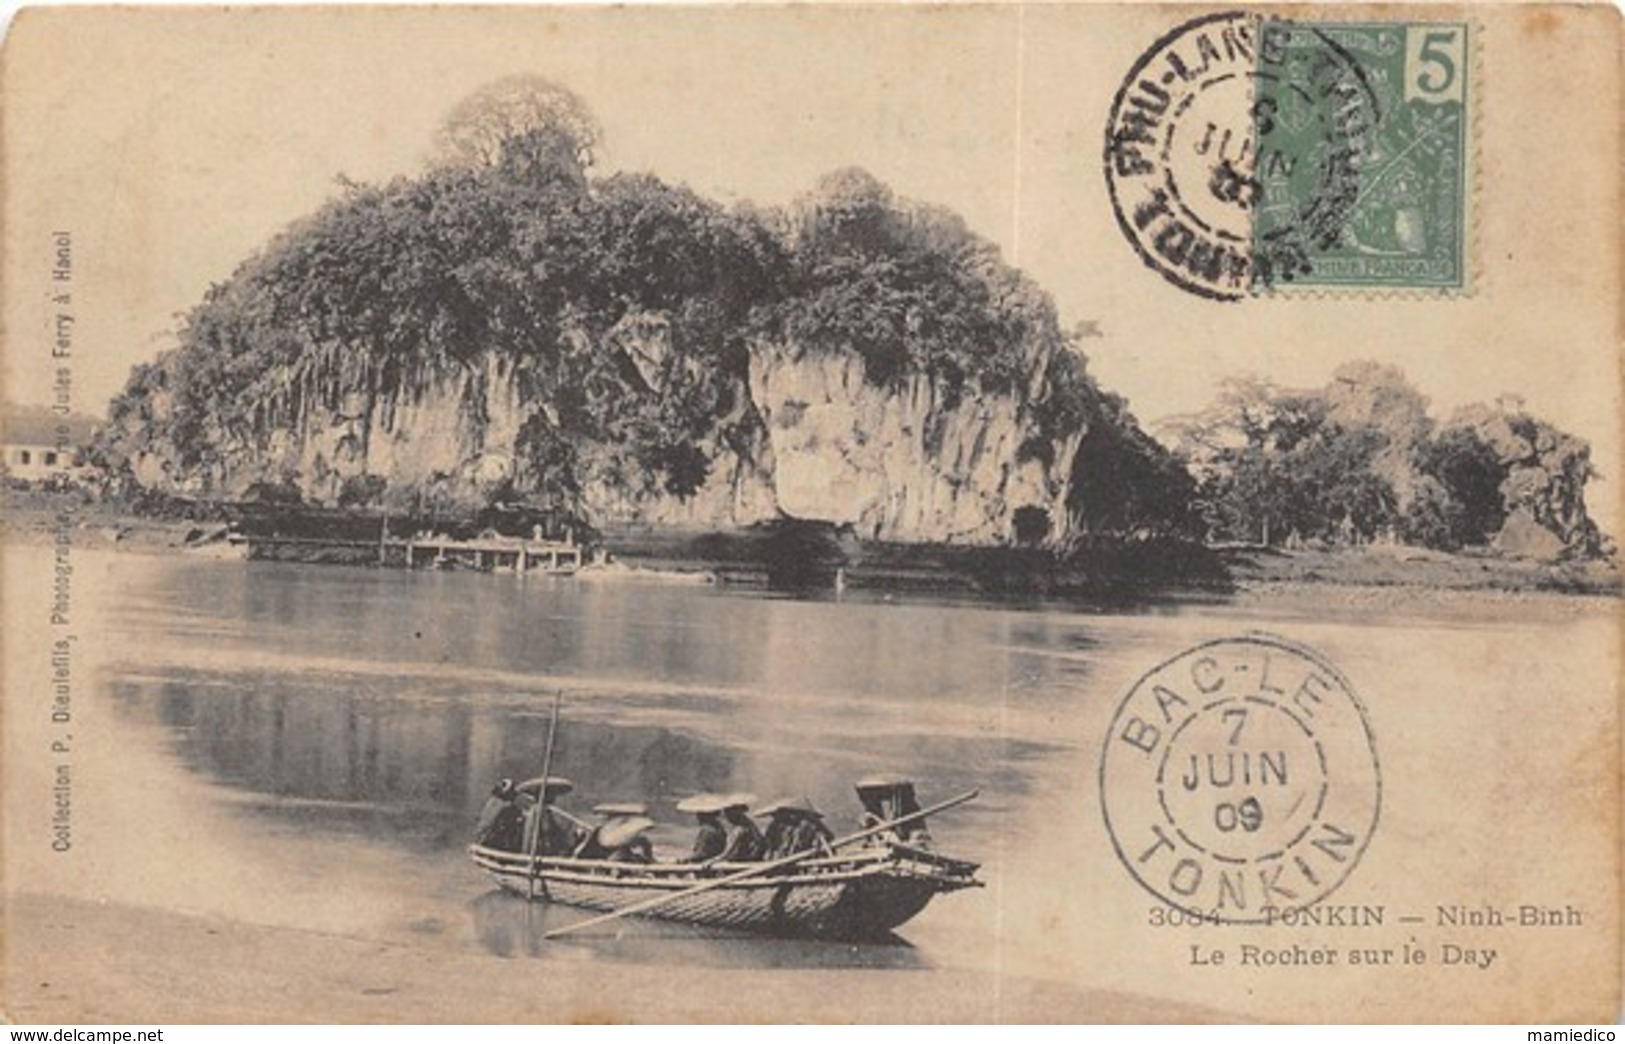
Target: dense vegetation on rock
(1361,460)
(391,289)
(626,309)
(582,346)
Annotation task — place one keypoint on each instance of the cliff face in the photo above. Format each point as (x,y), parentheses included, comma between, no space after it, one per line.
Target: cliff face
(912,463)
(1543,491)
(622,351)
(809,438)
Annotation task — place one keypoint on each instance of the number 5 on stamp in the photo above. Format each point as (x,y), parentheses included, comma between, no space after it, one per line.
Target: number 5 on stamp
(1435,64)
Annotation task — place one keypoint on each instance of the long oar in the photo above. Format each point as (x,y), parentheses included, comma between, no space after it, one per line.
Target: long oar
(646,905)
(541,799)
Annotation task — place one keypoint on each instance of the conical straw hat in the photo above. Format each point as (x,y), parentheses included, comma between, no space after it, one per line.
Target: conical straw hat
(702,803)
(555,785)
(801,805)
(618,832)
(622,808)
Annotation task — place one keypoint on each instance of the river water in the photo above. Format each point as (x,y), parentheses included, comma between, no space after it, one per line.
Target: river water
(308,746)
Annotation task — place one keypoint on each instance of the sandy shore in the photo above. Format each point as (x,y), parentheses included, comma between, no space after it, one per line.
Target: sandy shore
(72,960)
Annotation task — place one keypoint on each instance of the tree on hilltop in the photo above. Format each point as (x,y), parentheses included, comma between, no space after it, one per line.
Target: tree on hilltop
(520,123)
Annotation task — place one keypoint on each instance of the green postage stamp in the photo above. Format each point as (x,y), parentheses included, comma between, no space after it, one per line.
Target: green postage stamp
(1248,155)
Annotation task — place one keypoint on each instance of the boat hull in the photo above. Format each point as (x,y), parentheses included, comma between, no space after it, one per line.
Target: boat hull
(847,897)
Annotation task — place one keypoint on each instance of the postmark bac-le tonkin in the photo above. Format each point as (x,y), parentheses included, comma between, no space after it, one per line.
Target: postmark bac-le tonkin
(1239,779)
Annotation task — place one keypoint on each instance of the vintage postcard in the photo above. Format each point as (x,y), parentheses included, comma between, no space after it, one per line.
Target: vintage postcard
(898,513)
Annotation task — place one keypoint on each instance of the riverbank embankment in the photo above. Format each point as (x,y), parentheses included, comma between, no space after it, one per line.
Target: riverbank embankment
(810,559)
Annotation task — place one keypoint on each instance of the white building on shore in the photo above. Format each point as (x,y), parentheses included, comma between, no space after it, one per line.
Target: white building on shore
(36,445)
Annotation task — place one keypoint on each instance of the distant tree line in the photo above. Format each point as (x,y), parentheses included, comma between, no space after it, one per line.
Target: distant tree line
(1361,460)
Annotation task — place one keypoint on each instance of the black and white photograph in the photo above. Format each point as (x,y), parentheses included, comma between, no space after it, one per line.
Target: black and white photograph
(879,514)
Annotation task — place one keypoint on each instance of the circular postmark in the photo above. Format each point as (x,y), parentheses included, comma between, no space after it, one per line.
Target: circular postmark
(1234,150)
(1240,780)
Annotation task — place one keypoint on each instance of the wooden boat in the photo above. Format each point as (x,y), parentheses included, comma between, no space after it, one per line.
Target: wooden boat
(859,892)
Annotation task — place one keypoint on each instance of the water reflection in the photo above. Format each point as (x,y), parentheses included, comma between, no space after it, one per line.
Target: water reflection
(315,753)
(562,631)
(316,743)
(509,926)
(357,719)
(411,762)
(333,757)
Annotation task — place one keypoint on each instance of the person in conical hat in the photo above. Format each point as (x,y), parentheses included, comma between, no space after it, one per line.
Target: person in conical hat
(627,839)
(885,797)
(556,834)
(619,837)
(712,838)
(502,820)
(794,826)
(744,840)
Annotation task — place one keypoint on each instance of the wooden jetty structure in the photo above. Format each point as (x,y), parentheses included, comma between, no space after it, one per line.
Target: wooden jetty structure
(489,553)
(513,554)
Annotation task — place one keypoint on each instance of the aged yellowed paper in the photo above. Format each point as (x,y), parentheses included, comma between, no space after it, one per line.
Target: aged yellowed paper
(1009,513)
